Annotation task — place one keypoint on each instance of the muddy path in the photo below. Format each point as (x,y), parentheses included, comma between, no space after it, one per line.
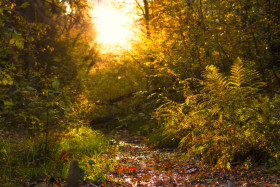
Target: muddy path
(139,165)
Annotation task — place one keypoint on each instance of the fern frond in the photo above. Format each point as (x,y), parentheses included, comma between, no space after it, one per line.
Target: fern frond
(253,79)
(238,75)
(243,78)
(214,79)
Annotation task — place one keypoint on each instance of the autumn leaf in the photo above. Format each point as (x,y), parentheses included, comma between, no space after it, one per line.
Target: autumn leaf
(121,170)
(132,149)
(169,173)
(132,169)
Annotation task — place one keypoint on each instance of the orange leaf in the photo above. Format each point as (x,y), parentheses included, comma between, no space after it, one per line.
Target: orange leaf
(169,173)
(132,169)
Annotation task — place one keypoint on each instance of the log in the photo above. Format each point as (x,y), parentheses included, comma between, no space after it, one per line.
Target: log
(73,179)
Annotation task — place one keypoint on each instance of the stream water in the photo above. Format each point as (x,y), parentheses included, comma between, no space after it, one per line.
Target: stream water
(140,165)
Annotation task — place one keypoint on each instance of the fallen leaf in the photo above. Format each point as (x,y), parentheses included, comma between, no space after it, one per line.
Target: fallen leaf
(132,169)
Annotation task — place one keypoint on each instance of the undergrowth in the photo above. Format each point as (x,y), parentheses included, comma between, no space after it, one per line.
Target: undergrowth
(228,121)
(93,151)
(22,160)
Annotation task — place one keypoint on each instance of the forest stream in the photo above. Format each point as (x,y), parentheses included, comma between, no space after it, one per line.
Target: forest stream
(140,165)
(199,75)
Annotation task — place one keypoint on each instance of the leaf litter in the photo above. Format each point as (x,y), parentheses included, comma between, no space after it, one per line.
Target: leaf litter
(140,165)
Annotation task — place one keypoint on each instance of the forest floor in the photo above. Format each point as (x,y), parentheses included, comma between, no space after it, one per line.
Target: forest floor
(139,165)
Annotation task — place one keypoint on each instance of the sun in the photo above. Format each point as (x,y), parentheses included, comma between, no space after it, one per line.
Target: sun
(112,26)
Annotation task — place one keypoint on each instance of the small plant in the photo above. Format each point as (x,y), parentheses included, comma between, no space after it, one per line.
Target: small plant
(97,168)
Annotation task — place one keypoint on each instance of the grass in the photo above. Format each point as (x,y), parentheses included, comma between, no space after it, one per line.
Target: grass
(26,158)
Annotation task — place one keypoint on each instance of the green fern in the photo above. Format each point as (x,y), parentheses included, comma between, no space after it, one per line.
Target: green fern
(243,78)
(215,81)
(238,76)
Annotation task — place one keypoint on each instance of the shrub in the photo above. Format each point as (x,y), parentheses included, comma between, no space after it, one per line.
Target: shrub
(229,120)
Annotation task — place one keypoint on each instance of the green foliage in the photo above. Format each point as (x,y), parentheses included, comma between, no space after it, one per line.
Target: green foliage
(99,170)
(92,150)
(83,141)
(45,52)
(138,123)
(228,121)
(22,159)
(186,38)
(41,89)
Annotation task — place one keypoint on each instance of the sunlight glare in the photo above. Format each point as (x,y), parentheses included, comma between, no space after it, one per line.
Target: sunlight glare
(112,26)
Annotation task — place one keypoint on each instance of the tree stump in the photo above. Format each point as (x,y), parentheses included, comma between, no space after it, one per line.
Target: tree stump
(73,179)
